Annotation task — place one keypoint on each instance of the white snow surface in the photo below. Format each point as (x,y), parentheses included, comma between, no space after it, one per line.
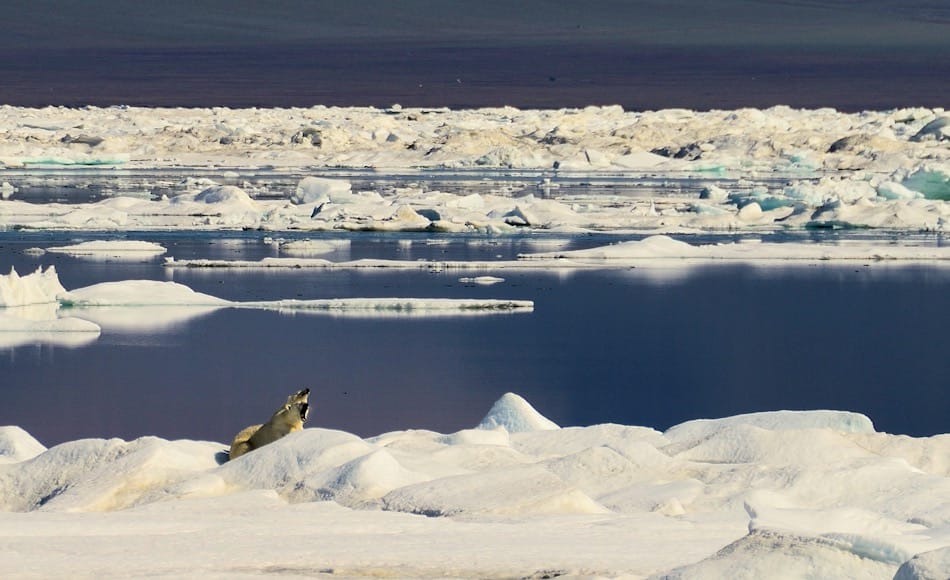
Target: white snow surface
(874,169)
(810,493)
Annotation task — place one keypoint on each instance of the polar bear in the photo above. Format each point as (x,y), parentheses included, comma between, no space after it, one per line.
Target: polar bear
(289,418)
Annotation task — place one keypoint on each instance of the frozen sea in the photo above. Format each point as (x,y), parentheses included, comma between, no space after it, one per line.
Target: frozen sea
(634,346)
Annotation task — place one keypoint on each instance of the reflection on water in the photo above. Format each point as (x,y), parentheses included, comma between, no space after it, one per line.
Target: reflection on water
(638,346)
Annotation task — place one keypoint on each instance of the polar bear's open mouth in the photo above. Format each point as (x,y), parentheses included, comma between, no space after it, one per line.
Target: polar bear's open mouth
(304,411)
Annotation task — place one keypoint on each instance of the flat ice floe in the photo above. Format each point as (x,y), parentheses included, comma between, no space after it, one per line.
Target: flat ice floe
(36,308)
(786,168)
(811,493)
(650,251)
(111,249)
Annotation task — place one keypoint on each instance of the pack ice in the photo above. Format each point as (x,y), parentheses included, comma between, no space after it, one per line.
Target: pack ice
(786,168)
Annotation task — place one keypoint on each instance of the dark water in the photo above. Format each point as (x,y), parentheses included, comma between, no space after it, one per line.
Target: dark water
(553,74)
(637,346)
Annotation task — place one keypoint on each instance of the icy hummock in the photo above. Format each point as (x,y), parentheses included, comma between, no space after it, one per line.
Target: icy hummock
(592,138)
(40,287)
(515,415)
(811,493)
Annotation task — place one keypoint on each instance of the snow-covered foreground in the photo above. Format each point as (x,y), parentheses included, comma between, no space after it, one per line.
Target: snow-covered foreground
(815,494)
(886,169)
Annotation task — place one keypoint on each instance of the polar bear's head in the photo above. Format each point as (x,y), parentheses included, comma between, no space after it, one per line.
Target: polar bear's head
(297,407)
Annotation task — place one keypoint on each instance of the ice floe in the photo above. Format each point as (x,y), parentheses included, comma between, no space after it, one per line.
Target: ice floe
(811,493)
(649,251)
(40,287)
(111,249)
(36,307)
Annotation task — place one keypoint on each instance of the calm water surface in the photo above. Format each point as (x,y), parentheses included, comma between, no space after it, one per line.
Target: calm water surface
(636,346)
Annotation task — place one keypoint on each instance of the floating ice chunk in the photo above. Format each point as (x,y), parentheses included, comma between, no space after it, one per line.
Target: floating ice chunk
(6,190)
(313,247)
(750,212)
(122,249)
(482,280)
(40,287)
(516,415)
(714,193)
(651,247)
(320,189)
(17,445)
(396,306)
(138,293)
(932,181)
(894,190)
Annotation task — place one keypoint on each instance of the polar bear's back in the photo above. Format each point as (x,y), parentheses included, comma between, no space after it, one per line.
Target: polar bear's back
(241,444)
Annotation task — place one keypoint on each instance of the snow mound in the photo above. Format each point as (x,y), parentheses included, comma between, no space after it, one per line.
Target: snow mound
(40,287)
(101,475)
(841,421)
(514,491)
(516,415)
(761,553)
(17,445)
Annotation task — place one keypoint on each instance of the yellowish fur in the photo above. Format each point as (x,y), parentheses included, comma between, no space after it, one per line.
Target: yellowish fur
(287,419)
